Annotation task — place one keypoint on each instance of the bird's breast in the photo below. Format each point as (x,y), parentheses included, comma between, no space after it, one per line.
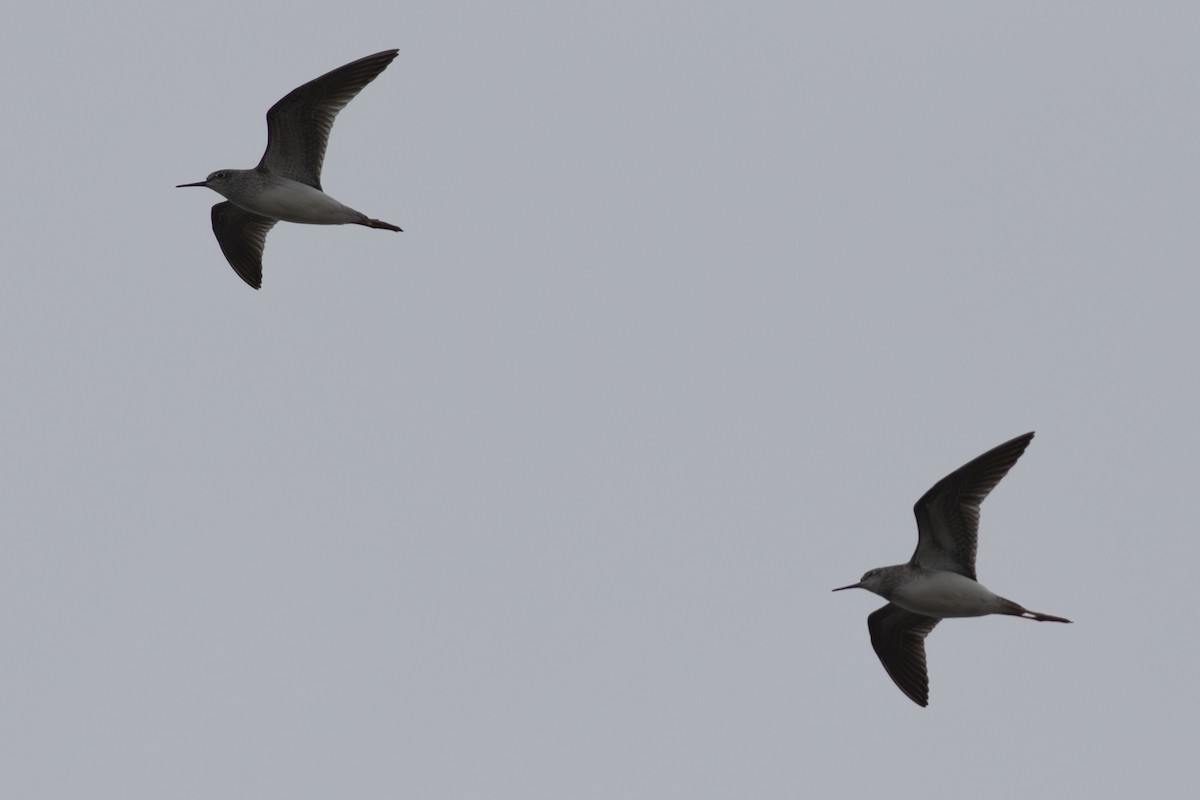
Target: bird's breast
(292,201)
(946,594)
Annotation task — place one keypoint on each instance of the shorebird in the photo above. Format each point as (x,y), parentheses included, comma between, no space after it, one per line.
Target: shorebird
(286,184)
(939,580)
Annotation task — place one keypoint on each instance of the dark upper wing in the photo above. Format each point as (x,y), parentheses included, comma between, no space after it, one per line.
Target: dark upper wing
(948,514)
(298,125)
(898,637)
(242,235)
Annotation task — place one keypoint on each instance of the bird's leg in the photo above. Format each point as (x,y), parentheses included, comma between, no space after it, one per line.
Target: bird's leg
(1018,610)
(375,223)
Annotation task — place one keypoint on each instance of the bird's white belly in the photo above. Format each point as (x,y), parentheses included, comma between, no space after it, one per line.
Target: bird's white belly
(947,594)
(292,201)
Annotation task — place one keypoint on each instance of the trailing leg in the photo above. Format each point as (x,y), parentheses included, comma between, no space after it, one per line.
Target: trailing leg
(1018,610)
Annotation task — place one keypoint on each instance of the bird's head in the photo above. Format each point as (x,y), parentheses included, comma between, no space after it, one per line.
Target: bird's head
(218,181)
(874,580)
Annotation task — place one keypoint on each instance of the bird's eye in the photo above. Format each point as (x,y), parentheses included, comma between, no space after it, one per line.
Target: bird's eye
(219,175)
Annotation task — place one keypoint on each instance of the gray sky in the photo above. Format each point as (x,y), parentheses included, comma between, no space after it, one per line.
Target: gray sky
(544,497)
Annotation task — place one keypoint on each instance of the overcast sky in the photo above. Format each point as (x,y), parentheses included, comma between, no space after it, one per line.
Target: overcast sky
(545,496)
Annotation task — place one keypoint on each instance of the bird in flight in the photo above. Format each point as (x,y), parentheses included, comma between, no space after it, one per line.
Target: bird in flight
(939,580)
(286,184)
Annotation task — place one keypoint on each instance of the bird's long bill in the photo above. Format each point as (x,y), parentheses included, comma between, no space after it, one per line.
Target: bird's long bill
(851,586)
(198,183)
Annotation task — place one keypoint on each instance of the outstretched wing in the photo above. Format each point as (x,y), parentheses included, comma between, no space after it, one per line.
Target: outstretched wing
(298,125)
(948,514)
(242,235)
(898,637)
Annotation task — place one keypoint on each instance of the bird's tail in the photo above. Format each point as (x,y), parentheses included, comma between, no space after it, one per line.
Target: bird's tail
(1018,610)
